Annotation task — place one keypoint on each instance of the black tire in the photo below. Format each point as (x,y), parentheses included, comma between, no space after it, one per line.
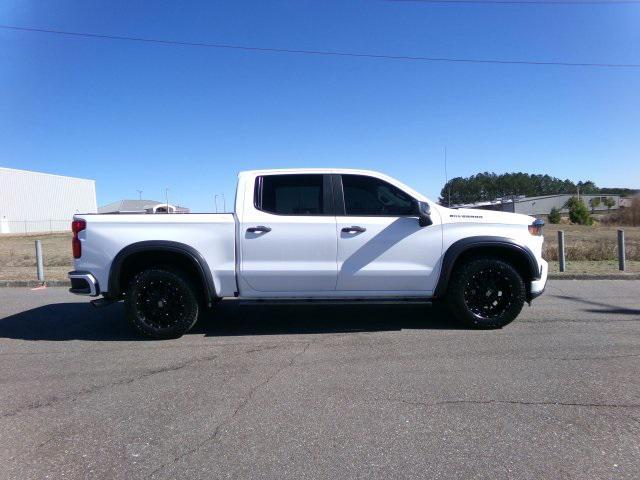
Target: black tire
(161,303)
(486,293)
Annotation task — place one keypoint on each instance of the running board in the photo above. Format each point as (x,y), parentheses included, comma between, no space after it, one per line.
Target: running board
(331,301)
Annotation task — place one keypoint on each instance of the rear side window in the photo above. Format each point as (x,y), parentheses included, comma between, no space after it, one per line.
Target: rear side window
(290,194)
(369,196)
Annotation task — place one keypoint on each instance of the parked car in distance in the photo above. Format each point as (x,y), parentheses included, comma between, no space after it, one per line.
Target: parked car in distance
(330,234)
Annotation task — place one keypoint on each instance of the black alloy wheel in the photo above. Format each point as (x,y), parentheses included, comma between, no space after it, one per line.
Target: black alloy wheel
(486,293)
(161,303)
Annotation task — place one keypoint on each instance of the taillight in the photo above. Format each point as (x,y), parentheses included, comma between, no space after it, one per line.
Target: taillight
(76,227)
(536,227)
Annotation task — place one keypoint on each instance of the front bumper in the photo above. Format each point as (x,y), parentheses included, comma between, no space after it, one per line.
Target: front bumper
(538,286)
(84,283)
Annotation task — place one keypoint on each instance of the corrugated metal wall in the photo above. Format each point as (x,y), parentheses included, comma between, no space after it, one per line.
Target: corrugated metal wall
(38,202)
(543,205)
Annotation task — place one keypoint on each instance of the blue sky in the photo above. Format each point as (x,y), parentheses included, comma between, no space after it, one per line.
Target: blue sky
(139,116)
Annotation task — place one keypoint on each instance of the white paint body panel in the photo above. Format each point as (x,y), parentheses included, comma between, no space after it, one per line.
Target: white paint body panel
(211,234)
(297,258)
(537,286)
(297,255)
(308,256)
(378,259)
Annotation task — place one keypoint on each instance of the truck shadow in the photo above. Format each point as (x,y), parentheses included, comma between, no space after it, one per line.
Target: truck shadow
(80,321)
(605,308)
(273,319)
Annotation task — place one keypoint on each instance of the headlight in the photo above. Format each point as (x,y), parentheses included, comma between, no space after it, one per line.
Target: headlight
(536,227)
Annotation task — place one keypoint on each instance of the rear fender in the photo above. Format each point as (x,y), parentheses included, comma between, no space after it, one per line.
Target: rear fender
(195,258)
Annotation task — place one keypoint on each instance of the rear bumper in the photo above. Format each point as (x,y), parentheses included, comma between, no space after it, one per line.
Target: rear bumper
(538,286)
(84,283)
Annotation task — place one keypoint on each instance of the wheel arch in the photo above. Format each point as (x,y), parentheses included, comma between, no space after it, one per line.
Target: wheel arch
(139,255)
(519,255)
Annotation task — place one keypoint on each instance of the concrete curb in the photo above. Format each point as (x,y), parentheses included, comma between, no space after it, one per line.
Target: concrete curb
(34,283)
(586,276)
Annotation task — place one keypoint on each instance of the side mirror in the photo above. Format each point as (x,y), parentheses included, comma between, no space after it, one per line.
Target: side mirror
(424,214)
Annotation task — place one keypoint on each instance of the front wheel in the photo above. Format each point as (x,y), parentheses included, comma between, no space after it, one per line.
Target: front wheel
(486,293)
(161,303)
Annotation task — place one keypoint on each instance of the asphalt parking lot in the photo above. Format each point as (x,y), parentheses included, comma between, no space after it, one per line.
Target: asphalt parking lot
(323,391)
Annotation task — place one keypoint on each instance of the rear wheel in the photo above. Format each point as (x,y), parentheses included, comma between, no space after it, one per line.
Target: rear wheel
(161,303)
(486,293)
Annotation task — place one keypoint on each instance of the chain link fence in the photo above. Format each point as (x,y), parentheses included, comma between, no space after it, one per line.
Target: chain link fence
(34,226)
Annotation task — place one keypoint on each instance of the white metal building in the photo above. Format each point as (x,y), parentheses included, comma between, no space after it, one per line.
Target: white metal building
(32,202)
(542,205)
(141,206)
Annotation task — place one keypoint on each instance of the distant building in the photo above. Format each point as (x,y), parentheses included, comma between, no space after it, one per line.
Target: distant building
(541,205)
(35,202)
(141,206)
(627,202)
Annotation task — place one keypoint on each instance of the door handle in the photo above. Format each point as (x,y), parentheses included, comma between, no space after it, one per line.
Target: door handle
(259,228)
(354,229)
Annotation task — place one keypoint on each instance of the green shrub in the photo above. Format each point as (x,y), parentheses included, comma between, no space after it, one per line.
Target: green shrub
(609,203)
(578,212)
(554,215)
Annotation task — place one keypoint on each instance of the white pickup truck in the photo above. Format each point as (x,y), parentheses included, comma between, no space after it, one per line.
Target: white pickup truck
(309,234)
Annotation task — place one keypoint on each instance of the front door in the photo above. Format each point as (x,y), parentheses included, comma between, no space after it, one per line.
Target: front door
(381,247)
(288,235)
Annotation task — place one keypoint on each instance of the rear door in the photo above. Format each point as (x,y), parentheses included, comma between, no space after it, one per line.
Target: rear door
(382,249)
(288,235)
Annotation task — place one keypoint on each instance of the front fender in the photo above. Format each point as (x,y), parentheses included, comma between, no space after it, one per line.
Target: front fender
(483,242)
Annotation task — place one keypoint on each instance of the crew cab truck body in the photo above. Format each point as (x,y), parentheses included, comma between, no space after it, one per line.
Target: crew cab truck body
(311,234)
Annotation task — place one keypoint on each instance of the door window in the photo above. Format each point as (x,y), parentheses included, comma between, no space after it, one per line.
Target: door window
(368,196)
(290,194)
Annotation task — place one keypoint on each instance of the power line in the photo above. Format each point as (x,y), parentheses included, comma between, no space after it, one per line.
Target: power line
(319,52)
(527,2)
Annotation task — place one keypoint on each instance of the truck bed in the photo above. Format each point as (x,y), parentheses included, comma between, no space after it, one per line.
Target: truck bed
(211,234)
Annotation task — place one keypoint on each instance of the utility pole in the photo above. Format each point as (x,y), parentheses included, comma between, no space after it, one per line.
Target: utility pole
(446,177)
(139,194)
(224,202)
(166,198)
